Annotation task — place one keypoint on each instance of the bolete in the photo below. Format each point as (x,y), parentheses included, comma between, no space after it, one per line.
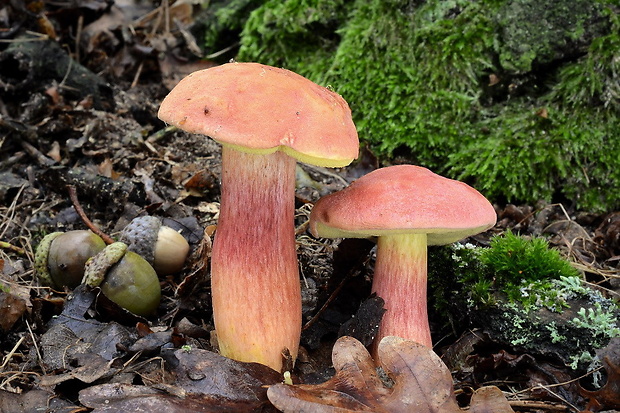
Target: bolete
(407,207)
(266,118)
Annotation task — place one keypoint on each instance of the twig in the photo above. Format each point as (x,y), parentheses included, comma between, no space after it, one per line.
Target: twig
(562,399)
(9,356)
(35,153)
(160,134)
(221,52)
(136,77)
(529,404)
(78,36)
(78,208)
(36,347)
(6,246)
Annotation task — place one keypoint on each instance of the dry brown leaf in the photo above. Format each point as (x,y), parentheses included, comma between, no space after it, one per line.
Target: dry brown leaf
(608,396)
(11,309)
(421,384)
(489,399)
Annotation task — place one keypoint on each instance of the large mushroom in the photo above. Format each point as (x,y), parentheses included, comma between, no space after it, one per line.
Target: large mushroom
(265,118)
(407,207)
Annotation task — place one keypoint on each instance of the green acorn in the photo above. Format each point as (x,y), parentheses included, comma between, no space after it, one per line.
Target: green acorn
(125,278)
(60,257)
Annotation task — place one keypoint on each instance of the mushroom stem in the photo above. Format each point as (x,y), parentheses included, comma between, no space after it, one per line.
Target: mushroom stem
(400,279)
(254,272)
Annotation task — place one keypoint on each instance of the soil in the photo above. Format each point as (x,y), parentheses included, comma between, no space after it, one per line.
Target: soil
(79,92)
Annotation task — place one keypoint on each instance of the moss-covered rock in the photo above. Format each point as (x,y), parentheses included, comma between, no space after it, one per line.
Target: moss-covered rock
(519,98)
(534,33)
(524,294)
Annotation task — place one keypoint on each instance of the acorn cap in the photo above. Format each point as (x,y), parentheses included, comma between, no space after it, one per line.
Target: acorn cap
(140,235)
(261,109)
(403,199)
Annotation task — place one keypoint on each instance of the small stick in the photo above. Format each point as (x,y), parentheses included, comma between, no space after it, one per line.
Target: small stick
(12,352)
(6,246)
(34,342)
(529,404)
(78,208)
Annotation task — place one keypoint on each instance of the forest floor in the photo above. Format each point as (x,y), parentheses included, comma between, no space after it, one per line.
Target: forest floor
(80,88)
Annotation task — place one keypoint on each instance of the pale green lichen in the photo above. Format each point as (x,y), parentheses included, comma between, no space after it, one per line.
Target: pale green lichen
(599,320)
(556,337)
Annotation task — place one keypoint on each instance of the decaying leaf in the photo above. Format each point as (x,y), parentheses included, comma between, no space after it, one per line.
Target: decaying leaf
(11,310)
(418,382)
(608,396)
(198,381)
(34,401)
(489,399)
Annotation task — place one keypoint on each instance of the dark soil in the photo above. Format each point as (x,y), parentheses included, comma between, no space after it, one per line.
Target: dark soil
(80,86)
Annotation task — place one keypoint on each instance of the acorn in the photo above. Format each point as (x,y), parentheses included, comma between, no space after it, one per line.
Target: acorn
(60,257)
(163,247)
(125,278)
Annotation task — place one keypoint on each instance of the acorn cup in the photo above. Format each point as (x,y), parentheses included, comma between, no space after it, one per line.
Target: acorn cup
(163,247)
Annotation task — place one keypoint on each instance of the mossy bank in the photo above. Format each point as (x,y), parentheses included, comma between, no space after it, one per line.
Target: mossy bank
(519,98)
(522,293)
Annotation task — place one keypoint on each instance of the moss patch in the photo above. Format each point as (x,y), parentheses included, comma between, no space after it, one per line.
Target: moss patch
(478,91)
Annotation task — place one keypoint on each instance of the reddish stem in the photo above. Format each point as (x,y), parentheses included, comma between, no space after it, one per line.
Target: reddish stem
(400,279)
(254,273)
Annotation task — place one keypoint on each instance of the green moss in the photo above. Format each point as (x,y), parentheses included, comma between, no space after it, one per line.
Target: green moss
(522,293)
(520,270)
(417,77)
(516,262)
(224,21)
(533,32)
(300,34)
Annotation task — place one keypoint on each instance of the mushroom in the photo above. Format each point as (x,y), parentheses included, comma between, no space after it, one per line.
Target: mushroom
(265,118)
(407,207)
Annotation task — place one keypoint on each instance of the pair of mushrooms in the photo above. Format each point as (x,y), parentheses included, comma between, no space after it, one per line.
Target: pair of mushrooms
(266,118)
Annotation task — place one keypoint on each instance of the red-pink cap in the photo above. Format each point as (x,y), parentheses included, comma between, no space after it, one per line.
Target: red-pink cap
(261,109)
(403,199)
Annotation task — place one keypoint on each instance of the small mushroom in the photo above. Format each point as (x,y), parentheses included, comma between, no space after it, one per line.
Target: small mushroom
(125,278)
(163,247)
(60,257)
(407,207)
(266,118)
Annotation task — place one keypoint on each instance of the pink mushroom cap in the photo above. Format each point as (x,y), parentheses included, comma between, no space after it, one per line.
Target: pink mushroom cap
(261,109)
(403,199)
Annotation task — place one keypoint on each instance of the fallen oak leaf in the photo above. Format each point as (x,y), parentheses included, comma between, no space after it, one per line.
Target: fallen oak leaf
(421,384)
(356,387)
(607,396)
(196,381)
(421,380)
